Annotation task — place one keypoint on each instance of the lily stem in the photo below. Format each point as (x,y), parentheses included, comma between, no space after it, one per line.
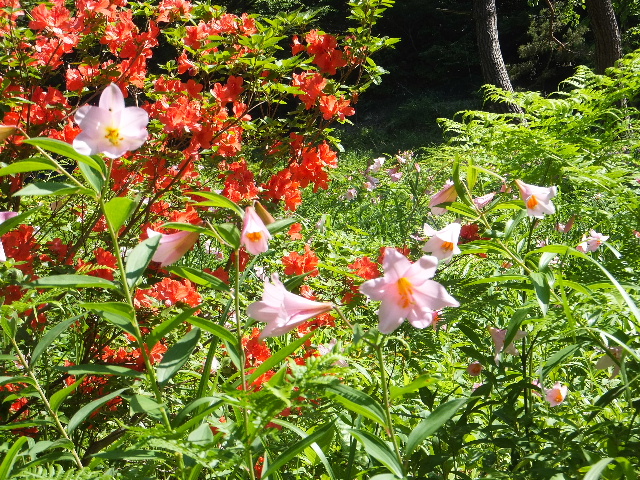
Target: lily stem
(387,401)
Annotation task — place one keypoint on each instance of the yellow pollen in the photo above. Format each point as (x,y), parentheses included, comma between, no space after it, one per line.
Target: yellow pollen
(447,246)
(405,289)
(254,236)
(558,397)
(113,135)
(532,202)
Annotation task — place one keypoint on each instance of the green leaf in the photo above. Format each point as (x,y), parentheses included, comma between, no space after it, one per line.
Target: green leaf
(66,150)
(542,290)
(95,178)
(52,188)
(50,336)
(358,402)
(217,200)
(32,165)
(294,282)
(230,341)
(511,225)
(139,259)
(280,224)
(379,450)
(187,227)
(514,324)
(19,379)
(10,457)
(509,205)
(462,209)
(296,448)
(9,325)
(432,423)
(61,395)
(26,424)
(12,223)
(202,435)
(595,471)
(167,326)
(118,313)
(606,398)
(201,278)
(500,278)
(278,357)
(214,328)
(89,408)
(483,246)
(72,281)
(177,356)
(133,455)
(418,383)
(577,287)
(143,404)
(97,369)
(557,358)
(44,445)
(316,448)
(229,233)
(117,210)
(212,403)
(562,249)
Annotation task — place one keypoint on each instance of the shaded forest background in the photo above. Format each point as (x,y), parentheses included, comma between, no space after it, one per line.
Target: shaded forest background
(434,70)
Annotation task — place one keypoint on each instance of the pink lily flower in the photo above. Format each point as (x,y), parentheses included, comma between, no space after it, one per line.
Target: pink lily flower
(536,383)
(447,194)
(566,228)
(592,242)
(537,199)
(474,369)
(499,335)
(376,164)
(606,361)
(172,246)
(111,128)
(476,386)
(4,216)
(255,236)
(556,395)
(443,244)
(483,201)
(351,194)
(406,291)
(282,310)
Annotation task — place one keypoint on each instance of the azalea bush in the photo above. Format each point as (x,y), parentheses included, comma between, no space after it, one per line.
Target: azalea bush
(195,287)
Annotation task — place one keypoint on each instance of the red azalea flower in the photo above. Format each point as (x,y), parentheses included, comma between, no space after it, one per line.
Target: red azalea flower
(296,264)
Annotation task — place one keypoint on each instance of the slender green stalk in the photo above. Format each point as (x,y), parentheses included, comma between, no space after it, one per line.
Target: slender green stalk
(342,316)
(243,373)
(387,401)
(43,396)
(150,371)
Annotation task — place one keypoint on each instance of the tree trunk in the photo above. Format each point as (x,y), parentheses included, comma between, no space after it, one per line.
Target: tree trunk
(494,70)
(606,32)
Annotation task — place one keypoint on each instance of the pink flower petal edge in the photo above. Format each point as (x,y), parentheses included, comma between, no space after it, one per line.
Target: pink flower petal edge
(172,246)
(282,310)
(4,216)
